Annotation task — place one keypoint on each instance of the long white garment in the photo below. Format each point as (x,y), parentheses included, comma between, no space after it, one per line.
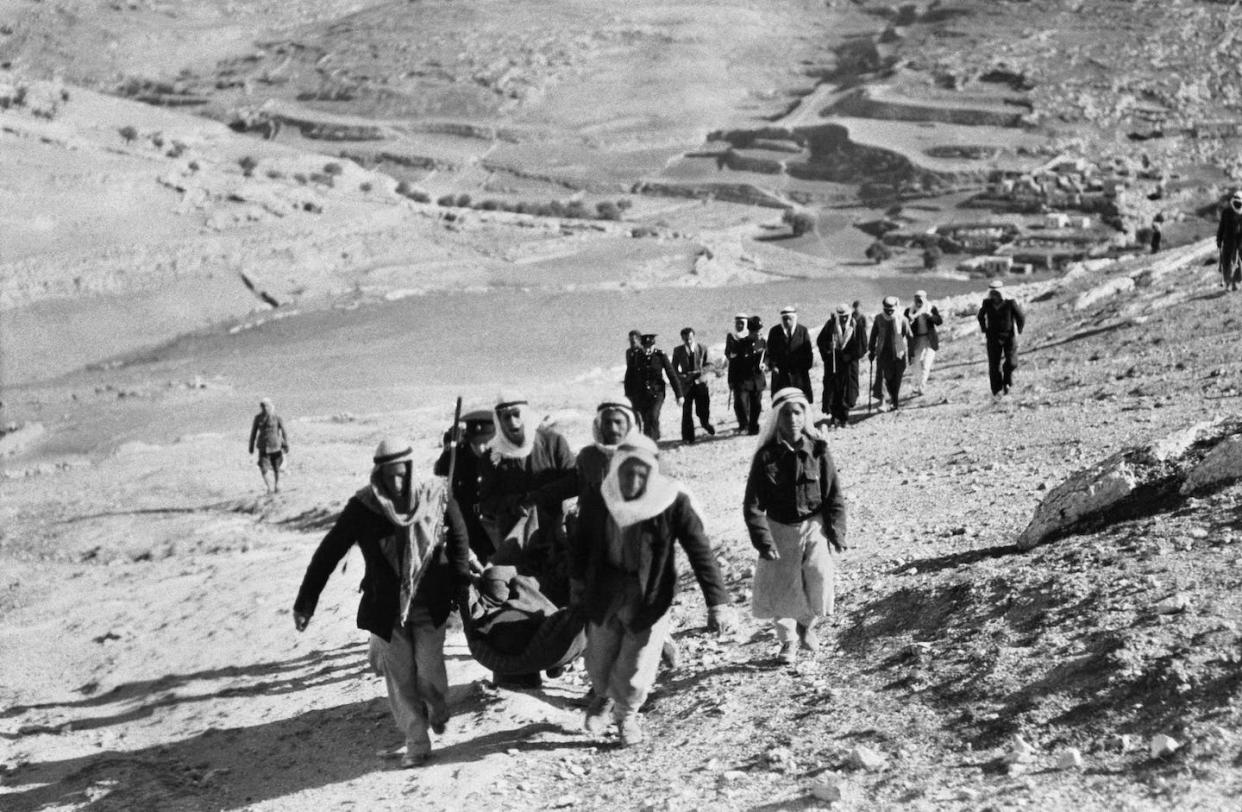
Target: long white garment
(922,357)
(412,665)
(799,584)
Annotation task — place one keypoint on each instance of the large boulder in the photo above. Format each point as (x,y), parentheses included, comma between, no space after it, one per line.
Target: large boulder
(1086,493)
(1222,464)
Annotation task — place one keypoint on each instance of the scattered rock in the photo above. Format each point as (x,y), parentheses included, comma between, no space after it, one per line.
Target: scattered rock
(830,788)
(1163,745)
(1070,759)
(1020,751)
(1222,464)
(864,758)
(1173,604)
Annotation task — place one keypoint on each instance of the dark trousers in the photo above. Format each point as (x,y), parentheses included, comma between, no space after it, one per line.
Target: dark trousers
(696,402)
(649,414)
(1002,361)
(888,376)
(748,405)
(1231,266)
(841,391)
(797,378)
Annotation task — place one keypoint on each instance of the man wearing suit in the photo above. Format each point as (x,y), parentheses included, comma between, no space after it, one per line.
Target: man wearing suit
(791,354)
(888,347)
(690,362)
(652,370)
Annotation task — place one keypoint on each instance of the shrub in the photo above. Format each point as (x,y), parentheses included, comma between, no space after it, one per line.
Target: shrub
(931,257)
(319,177)
(577,210)
(608,210)
(333,168)
(463,201)
(365,186)
(301,178)
(624,204)
(419,196)
(445,200)
(489,205)
(177,150)
(800,222)
(403,188)
(194,166)
(247,165)
(275,174)
(129,132)
(878,252)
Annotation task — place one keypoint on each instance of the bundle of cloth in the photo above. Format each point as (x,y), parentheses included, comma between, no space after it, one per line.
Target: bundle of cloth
(512,628)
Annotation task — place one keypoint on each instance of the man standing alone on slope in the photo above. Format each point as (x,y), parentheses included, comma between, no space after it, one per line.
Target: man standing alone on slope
(267,433)
(1001,320)
(1229,241)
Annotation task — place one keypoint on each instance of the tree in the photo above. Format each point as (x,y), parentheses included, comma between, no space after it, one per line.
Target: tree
(247,164)
(799,221)
(931,257)
(333,168)
(463,200)
(878,252)
(607,210)
(129,133)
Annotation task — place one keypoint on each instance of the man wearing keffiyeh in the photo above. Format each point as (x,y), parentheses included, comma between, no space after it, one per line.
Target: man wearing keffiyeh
(416,550)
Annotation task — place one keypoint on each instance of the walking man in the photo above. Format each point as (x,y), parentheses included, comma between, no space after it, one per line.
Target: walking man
(653,370)
(888,347)
(1000,321)
(791,354)
(478,431)
(841,343)
(417,556)
(633,357)
(795,514)
(1229,241)
(735,355)
(267,434)
(924,318)
(627,578)
(690,362)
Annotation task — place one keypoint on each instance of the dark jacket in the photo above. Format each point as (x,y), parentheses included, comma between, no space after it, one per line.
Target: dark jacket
(850,350)
(746,357)
(790,485)
(379,608)
(653,369)
(1001,320)
(790,359)
(633,358)
(466,478)
(889,335)
(678,522)
(689,365)
(925,323)
(545,477)
(1229,231)
(268,433)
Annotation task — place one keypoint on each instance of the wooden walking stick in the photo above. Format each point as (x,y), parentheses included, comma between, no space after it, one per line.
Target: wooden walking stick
(870,382)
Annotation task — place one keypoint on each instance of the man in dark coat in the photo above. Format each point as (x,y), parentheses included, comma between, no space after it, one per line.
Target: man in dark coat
(791,354)
(267,434)
(1229,241)
(478,430)
(735,342)
(525,476)
(633,358)
(747,374)
(1000,321)
(841,343)
(889,348)
(417,555)
(654,369)
(690,362)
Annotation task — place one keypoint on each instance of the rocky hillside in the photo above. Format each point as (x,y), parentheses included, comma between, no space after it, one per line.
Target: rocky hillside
(1097,669)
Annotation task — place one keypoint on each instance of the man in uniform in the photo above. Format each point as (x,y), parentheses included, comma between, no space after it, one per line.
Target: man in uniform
(633,356)
(690,362)
(653,369)
(924,318)
(841,343)
(888,347)
(479,428)
(791,354)
(1000,321)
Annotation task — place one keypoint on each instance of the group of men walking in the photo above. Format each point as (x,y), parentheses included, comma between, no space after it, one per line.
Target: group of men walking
(497,523)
